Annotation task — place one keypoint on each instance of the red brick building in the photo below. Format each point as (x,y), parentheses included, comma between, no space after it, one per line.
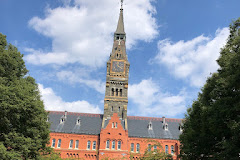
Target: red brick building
(113,134)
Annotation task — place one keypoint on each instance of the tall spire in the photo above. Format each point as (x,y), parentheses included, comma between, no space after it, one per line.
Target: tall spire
(120,26)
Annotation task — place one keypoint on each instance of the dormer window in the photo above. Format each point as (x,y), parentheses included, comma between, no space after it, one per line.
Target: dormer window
(165,126)
(62,120)
(150,125)
(180,128)
(78,122)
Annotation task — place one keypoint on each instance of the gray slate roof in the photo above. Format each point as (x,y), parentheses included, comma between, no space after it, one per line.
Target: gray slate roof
(91,125)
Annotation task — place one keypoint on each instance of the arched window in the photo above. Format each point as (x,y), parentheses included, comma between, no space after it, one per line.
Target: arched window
(113,144)
(53,142)
(119,145)
(155,147)
(119,108)
(132,147)
(120,92)
(138,148)
(107,144)
(172,149)
(76,144)
(166,149)
(112,109)
(71,143)
(78,122)
(166,126)
(116,92)
(88,144)
(149,147)
(112,91)
(94,145)
(59,143)
(150,125)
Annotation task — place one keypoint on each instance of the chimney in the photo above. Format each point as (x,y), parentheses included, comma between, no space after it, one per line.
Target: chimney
(65,115)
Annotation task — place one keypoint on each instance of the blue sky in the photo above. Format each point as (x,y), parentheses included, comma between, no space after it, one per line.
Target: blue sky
(172,48)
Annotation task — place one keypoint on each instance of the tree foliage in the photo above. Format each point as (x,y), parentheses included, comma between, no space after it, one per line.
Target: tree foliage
(24,131)
(212,124)
(157,154)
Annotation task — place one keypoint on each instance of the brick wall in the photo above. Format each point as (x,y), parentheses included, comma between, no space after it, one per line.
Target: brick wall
(111,133)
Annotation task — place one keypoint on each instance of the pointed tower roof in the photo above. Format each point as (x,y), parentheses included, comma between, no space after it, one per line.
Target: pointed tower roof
(120,26)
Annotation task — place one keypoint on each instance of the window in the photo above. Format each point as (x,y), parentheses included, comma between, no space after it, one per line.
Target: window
(61,120)
(119,108)
(116,92)
(172,149)
(155,147)
(138,148)
(112,109)
(77,143)
(166,127)
(94,145)
(113,144)
(150,125)
(112,124)
(59,143)
(119,144)
(116,125)
(112,91)
(107,144)
(78,121)
(120,92)
(132,147)
(53,142)
(88,144)
(71,143)
(149,147)
(166,149)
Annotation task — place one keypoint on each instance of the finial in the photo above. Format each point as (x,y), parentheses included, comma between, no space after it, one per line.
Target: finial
(121,4)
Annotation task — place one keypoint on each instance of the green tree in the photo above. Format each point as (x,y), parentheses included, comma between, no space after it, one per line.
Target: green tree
(157,154)
(24,131)
(212,124)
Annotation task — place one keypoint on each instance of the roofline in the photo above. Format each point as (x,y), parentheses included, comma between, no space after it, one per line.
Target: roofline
(158,118)
(130,117)
(76,113)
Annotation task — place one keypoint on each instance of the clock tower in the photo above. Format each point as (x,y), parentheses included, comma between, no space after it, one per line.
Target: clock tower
(116,94)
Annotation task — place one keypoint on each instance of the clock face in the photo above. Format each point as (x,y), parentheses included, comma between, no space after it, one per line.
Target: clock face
(117,66)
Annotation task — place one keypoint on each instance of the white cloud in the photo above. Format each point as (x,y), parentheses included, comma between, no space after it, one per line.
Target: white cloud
(82,33)
(192,60)
(149,100)
(81,77)
(53,102)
